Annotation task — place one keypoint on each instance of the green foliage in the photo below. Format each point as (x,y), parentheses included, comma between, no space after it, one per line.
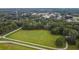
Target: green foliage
(6,27)
(60,42)
(71,40)
(78,45)
(42,37)
(9,22)
(55,30)
(57,27)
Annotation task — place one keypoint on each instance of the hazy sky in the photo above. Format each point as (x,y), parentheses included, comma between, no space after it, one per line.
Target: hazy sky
(39,3)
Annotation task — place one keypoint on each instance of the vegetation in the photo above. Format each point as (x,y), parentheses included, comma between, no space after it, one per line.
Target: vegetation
(60,42)
(57,27)
(69,30)
(8,46)
(40,30)
(7,26)
(41,37)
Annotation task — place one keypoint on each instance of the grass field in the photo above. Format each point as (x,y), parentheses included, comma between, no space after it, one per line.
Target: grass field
(13,47)
(42,37)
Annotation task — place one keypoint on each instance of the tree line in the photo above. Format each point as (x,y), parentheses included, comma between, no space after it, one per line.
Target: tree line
(7,26)
(69,30)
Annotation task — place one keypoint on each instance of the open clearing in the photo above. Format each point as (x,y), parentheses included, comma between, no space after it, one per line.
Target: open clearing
(7,46)
(41,37)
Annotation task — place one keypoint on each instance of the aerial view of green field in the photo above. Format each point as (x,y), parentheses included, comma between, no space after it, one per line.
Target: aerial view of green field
(41,37)
(39,29)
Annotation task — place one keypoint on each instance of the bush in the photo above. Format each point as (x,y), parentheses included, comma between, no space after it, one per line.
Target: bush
(60,42)
(71,40)
(55,30)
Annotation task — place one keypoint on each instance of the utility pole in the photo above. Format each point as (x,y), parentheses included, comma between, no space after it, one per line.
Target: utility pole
(17,15)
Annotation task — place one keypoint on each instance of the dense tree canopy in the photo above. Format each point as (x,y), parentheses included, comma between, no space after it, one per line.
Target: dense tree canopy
(6,27)
(29,22)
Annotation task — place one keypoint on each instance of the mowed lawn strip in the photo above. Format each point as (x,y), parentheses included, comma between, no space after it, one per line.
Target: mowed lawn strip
(42,37)
(8,46)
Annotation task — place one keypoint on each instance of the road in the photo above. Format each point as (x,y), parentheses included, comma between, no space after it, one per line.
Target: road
(34,45)
(37,44)
(25,45)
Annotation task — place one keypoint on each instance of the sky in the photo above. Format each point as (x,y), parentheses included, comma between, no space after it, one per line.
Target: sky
(39,3)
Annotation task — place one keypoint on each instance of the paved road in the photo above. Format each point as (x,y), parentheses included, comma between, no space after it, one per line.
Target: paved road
(22,44)
(12,31)
(38,44)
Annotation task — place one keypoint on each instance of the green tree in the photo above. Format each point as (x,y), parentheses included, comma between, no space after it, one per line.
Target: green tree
(60,42)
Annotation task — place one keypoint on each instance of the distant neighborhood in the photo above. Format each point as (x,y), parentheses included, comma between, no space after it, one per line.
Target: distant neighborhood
(56,16)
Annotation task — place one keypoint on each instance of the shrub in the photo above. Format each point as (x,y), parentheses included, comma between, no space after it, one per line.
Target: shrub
(60,42)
